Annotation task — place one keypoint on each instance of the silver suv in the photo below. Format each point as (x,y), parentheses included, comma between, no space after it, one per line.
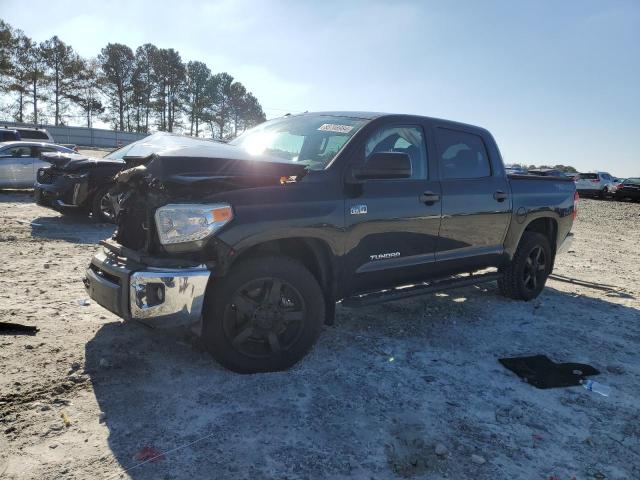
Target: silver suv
(599,184)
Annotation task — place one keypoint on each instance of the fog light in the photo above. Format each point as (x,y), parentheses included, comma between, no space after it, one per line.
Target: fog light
(160,294)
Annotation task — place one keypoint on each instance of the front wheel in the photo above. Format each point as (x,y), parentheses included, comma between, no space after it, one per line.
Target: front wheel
(102,209)
(265,315)
(525,277)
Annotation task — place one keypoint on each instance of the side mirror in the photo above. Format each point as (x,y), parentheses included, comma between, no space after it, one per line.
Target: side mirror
(384,165)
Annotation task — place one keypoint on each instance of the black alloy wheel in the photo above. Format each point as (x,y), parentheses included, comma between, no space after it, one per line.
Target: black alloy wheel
(535,268)
(264,315)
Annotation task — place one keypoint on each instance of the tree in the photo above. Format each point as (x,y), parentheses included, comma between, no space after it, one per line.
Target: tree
(117,63)
(195,94)
(143,85)
(7,42)
(218,112)
(63,68)
(87,90)
(237,104)
(169,73)
(253,114)
(34,64)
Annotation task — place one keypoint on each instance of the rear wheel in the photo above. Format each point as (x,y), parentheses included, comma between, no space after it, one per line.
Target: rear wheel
(265,315)
(527,273)
(102,208)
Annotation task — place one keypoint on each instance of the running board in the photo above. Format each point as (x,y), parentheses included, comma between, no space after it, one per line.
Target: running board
(415,290)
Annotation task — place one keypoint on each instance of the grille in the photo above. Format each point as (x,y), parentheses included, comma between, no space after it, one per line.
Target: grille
(45,176)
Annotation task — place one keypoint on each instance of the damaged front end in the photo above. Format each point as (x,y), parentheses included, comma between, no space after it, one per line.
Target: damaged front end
(147,271)
(71,179)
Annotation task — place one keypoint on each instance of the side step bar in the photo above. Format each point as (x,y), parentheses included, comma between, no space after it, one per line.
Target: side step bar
(419,289)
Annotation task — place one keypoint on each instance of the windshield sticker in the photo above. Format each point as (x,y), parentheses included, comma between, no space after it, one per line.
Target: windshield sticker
(332,127)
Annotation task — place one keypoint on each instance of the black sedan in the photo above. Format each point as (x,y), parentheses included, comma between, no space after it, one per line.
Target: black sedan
(628,189)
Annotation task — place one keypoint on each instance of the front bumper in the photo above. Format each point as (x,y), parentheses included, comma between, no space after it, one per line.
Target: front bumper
(161,297)
(62,192)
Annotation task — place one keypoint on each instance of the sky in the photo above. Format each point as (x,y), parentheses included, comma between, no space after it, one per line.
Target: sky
(555,82)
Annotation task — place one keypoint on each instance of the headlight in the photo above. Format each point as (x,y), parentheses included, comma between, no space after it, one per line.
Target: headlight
(182,223)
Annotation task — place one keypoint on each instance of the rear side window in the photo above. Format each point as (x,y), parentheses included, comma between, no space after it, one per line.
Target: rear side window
(37,134)
(462,155)
(401,139)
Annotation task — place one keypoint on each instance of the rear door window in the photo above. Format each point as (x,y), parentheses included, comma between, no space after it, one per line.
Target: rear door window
(463,155)
(588,176)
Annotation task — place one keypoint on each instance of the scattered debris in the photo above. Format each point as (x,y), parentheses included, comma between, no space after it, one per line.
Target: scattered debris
(65,419)
(441,450)
(600,388)
(149,453)
(477,459)
(83,302)
(27,222)
(541,372)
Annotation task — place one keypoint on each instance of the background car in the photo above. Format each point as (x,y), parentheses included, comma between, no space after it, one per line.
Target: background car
(546,172)
(34,134)
(19,162)
(9,135)
(597,184)
(69,183)
(628,189)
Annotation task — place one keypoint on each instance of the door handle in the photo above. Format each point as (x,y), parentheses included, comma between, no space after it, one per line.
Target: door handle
(500,196)
(429,198)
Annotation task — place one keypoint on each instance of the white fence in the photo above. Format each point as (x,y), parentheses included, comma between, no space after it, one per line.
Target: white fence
(86,137)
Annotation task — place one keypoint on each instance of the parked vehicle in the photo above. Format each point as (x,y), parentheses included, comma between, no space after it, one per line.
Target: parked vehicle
(258,239)
(73,182)
(597,184)
(34,134)
(628,189)
(546,172)
(19,162)
(9,135)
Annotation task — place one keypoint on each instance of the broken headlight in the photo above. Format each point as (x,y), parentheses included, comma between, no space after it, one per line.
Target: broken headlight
(184,223)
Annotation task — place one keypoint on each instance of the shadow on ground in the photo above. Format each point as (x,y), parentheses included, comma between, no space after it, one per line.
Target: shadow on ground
(378,391)
(75,228)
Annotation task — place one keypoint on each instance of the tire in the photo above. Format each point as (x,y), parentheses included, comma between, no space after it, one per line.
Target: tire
(99,210)
(249,328)
(525,276)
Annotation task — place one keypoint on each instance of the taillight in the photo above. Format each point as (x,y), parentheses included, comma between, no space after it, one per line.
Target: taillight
(576,197)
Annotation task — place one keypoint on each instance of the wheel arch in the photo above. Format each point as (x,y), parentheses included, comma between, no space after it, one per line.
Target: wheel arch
(313,253)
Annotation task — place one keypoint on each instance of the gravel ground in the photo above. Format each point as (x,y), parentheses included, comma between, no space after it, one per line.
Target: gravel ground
(409,389)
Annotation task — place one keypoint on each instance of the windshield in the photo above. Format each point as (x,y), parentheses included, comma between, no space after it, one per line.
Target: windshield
(119,153)
(311,140)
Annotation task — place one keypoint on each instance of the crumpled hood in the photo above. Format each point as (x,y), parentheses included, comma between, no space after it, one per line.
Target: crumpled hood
(70,162)
(218,161)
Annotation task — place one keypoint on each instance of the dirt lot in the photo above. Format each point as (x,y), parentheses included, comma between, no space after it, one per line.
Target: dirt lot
(91,397)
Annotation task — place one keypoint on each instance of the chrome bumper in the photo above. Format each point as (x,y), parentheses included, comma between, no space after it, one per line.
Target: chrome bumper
(566,244)
(157,296)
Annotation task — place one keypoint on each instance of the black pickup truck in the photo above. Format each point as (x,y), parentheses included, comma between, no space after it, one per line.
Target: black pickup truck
(257,240)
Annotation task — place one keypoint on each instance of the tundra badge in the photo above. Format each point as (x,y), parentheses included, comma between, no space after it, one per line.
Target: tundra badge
(359,210)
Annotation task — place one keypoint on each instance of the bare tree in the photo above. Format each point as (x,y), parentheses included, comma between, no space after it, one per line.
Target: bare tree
(87,91)
(194,94)
(116,61)
(63,68)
